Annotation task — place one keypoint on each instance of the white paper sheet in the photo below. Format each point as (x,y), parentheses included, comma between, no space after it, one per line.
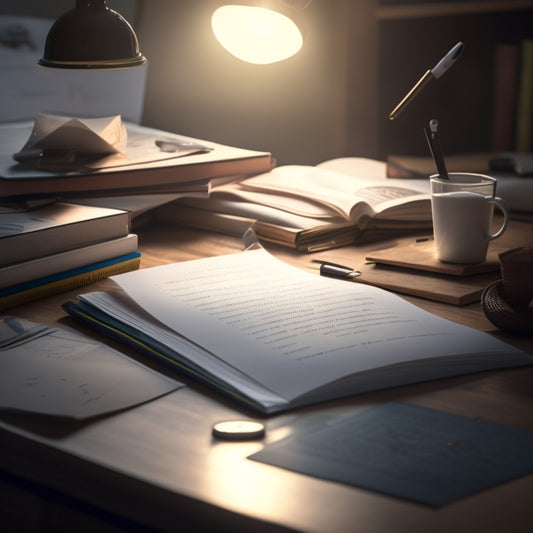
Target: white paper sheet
(294,331)
(58,372)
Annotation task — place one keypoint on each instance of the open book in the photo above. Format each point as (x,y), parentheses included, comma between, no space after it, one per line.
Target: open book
(274,337)
(311,208)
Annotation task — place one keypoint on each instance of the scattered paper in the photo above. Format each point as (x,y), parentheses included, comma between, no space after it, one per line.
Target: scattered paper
(57,372)
(63,135)
(65,144)
(406,451)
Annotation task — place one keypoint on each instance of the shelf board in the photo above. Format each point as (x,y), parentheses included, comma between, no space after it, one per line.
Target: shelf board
(439,9)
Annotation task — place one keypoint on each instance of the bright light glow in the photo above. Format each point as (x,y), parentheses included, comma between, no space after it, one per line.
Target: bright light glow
(255,34)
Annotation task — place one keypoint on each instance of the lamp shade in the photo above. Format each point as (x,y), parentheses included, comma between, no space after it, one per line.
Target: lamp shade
(256,34)
(91,36)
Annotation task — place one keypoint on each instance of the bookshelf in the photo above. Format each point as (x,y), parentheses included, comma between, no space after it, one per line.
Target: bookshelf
(411,36)
(398,9)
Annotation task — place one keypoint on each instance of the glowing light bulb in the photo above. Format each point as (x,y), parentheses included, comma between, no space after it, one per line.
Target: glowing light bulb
(256,34)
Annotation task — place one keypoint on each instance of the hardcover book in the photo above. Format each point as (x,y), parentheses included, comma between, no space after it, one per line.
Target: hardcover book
(153,161)
(27,234)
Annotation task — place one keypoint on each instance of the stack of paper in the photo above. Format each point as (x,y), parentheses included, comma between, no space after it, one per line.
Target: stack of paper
(274,337)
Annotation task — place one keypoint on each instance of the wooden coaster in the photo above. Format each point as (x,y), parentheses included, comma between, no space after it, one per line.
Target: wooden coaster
(455,290)
(421,256)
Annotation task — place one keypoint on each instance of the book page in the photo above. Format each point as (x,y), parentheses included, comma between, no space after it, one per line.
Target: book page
(294,331)
(286,203)
(257,211)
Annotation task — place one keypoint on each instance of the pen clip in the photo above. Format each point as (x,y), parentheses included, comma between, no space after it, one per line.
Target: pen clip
(435,149)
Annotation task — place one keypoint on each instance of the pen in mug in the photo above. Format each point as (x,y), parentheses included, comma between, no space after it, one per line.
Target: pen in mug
(436,72)
(432,137)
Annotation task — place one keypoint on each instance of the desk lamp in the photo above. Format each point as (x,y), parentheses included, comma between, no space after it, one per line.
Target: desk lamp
(260,32)
(91,36)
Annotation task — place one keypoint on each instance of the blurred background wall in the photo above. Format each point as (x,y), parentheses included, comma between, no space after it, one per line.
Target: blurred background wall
(297,109)
(333,98)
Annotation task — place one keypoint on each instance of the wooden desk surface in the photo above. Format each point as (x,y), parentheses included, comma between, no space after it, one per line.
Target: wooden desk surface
(158,465)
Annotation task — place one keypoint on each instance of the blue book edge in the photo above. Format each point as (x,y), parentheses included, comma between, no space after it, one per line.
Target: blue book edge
(27,285)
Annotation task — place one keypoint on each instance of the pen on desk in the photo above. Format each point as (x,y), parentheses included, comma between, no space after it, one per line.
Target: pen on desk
(436,72)
(334,270)
(432,136)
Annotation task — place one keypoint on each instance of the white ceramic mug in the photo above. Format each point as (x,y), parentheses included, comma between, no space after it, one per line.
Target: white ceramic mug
(462,208)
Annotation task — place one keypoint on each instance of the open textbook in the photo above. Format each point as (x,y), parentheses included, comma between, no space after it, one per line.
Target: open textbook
(275,337)
(310,208)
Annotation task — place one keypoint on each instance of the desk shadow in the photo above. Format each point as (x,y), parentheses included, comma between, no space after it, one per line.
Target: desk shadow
(51,426)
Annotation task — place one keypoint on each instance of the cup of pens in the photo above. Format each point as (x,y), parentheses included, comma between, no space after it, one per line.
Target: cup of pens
(462,206)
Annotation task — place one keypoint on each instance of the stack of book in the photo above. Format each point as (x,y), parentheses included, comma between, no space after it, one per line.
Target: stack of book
(91,177)
(60,246)
(70,158)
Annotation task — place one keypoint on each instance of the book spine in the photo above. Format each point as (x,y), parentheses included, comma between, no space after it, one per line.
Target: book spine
(57,265)
(524,115)
(155,180)
(504,100)
(67,284)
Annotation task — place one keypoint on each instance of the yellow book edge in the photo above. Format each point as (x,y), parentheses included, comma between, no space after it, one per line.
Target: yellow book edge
(67,284)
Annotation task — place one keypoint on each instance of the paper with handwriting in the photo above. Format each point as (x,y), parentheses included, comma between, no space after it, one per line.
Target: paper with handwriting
(57,372)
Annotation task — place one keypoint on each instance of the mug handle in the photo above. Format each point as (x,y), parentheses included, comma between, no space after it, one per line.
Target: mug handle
(498,202)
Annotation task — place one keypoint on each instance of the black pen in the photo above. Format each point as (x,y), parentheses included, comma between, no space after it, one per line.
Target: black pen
(334,270)
(432,137)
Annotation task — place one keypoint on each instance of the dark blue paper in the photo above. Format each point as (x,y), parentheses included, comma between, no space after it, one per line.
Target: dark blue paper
(407,451)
